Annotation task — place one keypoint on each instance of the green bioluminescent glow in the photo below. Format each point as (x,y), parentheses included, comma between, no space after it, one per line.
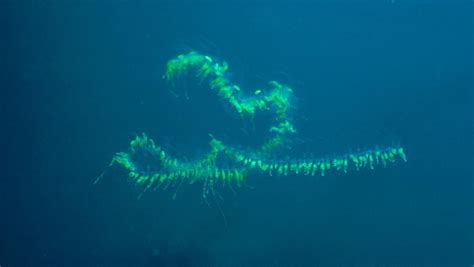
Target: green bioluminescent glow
(150,166)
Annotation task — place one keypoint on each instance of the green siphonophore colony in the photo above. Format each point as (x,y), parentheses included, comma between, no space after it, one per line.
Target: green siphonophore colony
(151,167)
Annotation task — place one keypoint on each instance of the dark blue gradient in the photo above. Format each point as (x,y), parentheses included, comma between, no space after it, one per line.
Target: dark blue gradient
(81,78)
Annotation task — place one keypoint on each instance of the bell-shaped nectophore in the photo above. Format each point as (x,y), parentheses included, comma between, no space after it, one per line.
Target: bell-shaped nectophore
(150,166)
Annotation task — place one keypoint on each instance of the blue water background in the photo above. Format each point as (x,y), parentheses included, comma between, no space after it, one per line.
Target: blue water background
(85,77)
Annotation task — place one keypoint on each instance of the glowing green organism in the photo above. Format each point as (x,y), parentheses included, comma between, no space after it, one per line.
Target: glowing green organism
(161,170)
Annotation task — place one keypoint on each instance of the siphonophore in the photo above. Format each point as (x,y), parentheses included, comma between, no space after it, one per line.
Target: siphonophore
(151,167)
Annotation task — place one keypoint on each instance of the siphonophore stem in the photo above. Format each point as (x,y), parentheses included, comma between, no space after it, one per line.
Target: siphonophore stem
(150,166)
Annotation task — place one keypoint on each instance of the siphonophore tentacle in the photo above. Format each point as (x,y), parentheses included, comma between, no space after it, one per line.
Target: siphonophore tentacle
(150,166)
